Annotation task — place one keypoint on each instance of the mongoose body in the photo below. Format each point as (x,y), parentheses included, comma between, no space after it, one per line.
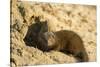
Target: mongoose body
(65,41)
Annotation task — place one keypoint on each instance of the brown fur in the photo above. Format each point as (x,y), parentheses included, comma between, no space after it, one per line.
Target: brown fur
(67,42)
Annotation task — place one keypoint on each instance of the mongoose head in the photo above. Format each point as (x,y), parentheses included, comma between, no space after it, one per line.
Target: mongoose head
(46,40)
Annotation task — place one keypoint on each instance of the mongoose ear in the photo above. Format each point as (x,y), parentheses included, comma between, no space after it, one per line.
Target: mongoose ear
(37,19)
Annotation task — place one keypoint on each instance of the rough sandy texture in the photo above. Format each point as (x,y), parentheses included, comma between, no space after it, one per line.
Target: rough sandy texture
(78,18)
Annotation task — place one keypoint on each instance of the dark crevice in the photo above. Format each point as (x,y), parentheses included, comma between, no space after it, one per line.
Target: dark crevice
(35,34)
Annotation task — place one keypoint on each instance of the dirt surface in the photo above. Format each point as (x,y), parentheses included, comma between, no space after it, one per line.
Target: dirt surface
(78,18)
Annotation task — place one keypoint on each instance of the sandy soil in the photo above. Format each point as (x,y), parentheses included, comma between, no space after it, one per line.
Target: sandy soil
(78,18)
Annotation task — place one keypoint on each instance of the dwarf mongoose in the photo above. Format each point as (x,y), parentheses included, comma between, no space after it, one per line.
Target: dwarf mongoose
(65,41)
